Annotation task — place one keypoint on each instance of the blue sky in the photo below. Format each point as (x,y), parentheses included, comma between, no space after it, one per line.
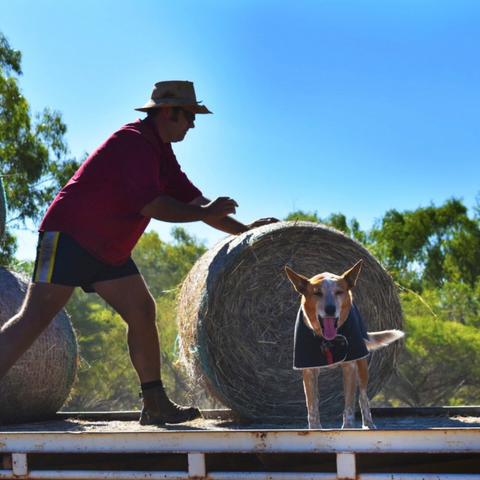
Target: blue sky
(327,106)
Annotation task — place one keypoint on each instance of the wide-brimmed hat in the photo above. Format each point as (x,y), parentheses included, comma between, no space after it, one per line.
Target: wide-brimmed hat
(174,93)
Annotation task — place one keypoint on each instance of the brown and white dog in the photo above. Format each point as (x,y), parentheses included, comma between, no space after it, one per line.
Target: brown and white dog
(325,307)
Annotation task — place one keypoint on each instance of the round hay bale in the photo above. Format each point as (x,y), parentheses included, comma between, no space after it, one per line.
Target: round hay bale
(3,210)
(237,311)
(39,384)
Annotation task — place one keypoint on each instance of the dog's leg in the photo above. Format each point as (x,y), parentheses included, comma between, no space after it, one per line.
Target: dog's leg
(367,422)
(310,385)
(350,390)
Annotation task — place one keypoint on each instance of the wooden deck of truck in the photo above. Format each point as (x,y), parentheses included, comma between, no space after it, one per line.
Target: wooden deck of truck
(409,443)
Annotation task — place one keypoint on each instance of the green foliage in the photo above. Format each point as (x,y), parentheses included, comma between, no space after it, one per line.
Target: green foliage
(429,246)
(3,209)
(164,265)
(441,362)
(335,220)
(301,216)
(106,380)
(33,151)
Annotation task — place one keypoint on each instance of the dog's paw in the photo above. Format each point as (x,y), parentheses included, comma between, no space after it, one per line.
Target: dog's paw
(369,426)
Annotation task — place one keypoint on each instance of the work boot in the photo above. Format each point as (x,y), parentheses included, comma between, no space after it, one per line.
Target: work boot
(158,409)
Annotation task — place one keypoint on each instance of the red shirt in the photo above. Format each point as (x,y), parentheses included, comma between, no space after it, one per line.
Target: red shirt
(100,206)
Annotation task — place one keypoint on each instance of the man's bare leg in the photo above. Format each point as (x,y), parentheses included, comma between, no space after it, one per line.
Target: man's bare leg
(130,297)
(41,305)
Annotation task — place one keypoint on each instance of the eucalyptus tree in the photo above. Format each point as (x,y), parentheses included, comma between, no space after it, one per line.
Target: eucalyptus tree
(34,161)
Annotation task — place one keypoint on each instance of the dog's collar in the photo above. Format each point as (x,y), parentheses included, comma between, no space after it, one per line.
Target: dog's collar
(335,350)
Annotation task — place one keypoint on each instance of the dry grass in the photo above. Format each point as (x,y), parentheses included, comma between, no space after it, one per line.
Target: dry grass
(237,311)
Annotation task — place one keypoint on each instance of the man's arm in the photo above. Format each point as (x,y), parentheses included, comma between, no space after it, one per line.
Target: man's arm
(167,209)
(229,224)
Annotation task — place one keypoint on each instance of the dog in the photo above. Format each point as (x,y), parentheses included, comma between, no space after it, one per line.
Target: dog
(330,331)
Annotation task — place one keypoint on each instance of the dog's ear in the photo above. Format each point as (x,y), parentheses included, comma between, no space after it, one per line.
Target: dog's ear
(350,276)
(299,281)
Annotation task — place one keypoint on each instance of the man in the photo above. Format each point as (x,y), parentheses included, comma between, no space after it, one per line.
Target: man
(90,229)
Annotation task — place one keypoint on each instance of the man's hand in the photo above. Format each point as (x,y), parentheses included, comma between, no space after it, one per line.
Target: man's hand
(219,208)
(262,221)
(167,209)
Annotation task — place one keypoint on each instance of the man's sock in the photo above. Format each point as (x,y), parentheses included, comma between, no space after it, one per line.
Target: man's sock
(151,385)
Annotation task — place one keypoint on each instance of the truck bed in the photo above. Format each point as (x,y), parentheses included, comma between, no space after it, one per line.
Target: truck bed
(409,443)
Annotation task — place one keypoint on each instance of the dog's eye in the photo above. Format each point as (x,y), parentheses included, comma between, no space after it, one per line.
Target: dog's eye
(318,294)
(339,292)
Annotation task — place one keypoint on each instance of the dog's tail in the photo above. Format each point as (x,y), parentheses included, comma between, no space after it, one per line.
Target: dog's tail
(382,339)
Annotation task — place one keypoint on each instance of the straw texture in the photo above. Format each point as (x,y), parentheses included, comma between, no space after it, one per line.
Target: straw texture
(237,310)
(39,384)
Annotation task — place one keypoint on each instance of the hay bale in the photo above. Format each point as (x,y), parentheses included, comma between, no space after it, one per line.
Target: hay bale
(39,384)
(237,310)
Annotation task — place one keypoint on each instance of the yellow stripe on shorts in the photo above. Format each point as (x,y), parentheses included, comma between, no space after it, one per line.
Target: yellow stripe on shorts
(46,260)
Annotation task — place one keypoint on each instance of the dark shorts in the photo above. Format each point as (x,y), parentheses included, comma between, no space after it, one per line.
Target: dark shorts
(62,260)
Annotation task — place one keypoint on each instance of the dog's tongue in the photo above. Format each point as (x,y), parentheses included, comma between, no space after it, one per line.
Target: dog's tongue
(329,330)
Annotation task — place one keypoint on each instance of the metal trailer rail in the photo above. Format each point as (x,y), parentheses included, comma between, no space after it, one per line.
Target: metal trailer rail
(260,454)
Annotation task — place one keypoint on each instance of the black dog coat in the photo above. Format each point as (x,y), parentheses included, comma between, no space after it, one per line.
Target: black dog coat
(310,351)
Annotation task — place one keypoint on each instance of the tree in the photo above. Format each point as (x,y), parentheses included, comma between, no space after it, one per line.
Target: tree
(463,259)
(165,265)
(3,210)
(335,220)
(33,151)
(429,246)
(441,362)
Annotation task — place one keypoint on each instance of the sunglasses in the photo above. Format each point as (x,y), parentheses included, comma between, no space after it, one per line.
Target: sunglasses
(189,116)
